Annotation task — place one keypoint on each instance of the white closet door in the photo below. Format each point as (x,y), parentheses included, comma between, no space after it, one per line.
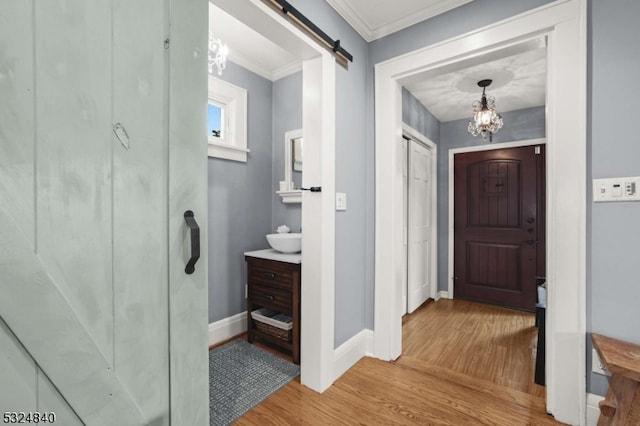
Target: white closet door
(419,221)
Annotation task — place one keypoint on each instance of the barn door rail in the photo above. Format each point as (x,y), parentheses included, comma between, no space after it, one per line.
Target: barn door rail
(298,19)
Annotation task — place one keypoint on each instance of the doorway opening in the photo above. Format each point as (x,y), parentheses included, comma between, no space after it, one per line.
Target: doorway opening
(565,113)
(318,128)
(497,224)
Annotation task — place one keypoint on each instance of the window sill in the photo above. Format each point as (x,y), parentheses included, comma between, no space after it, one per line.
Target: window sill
(227,152)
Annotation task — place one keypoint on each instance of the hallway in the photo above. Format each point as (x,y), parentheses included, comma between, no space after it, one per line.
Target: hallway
(471,365)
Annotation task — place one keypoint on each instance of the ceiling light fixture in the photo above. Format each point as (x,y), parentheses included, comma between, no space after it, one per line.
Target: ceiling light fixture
(486,121)
(218,52)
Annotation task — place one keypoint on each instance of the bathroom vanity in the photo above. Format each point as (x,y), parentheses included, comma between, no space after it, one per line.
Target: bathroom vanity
(273,282)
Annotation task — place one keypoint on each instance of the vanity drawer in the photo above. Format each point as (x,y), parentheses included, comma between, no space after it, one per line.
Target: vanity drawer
(271,297)
(271,273)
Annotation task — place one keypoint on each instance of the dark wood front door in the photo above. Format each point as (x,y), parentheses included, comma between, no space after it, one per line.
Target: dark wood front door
(499,225)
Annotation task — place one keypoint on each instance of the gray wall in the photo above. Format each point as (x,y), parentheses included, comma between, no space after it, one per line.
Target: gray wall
(453,23)
(613,286)
(420,118)
(287,115)
(355,139)
(519,125)
(354,175)
(240,197)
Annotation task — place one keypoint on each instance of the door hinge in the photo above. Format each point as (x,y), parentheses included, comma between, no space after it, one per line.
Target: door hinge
(537,150)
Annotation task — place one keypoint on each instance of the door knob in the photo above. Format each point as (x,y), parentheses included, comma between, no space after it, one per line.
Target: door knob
(530,220)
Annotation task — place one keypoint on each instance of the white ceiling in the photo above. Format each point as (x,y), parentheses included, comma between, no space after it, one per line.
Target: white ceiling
(519,81)
(518,72)
(374,19)
(250,49)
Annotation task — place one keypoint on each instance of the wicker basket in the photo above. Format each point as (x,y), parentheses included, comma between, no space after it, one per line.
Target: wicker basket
(273,331)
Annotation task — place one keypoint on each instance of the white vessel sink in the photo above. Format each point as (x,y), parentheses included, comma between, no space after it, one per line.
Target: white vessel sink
(286,243)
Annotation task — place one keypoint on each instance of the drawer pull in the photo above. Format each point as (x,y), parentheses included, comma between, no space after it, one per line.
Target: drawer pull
(268,297)
(270,275)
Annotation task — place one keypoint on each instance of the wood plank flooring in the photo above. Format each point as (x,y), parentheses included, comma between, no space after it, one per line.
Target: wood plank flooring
(463,364)
(481,341)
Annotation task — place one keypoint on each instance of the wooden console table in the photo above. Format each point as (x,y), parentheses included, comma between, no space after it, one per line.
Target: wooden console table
(622,359)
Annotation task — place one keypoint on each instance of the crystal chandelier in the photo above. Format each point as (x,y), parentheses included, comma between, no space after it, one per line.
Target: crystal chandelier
(217,54)
(486,121)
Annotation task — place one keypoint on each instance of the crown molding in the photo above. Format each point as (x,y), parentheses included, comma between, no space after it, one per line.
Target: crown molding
(344,8)
(262,71)
(286,70)
(252,66)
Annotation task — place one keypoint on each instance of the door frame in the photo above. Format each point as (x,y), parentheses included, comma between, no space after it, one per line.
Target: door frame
(317,358)
(564,22)
(452,152)
(418,137)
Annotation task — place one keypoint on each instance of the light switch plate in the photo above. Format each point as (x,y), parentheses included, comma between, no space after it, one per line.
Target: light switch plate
(616,189)
(341,201)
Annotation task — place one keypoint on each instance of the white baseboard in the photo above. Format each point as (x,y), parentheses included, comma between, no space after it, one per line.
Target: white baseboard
(227,328)
(593,409)
(442,295)
(351,351)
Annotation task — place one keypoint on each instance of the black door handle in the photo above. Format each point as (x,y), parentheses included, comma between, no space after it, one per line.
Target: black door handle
(195,241)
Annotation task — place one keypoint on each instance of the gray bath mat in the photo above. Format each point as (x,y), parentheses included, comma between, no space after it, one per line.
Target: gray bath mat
(241,376)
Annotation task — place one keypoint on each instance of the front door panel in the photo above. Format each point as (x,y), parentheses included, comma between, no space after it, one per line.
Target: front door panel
(496,226)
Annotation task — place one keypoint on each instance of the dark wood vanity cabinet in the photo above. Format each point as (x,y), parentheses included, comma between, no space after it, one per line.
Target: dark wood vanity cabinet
(274,285)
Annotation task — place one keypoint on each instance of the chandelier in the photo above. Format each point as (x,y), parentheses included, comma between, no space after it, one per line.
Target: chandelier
(486,121)
(217,54)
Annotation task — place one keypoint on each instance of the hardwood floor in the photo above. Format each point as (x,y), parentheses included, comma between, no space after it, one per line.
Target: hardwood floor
(481,341)
(463,364)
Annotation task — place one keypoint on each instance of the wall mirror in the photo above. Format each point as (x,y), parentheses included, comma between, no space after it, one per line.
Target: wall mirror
(289,189)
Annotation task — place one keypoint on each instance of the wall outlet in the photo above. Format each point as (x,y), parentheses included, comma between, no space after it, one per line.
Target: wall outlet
(597,366)
(341,201)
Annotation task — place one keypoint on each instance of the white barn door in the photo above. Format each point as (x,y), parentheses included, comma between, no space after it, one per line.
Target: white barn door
(100,154)
(419,229)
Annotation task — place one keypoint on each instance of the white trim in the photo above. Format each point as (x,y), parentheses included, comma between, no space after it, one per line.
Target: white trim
(452,152)
(250,65)
(442,295)
(286,70)
(318,221)
(593,409)
(369,34)
(227,328)
(351,351)
(232,145)
(564,24)
(227,152)
(265,72)
(419,137)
